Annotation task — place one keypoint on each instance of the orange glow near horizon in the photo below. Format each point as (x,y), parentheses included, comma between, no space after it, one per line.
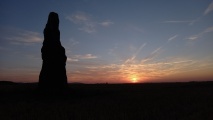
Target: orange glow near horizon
(169,70)
(136,72)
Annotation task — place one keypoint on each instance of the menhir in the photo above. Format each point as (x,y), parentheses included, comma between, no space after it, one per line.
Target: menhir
(53,73)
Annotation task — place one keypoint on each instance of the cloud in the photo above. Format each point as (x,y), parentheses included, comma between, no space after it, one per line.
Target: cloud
(88,27)
(73,42)
(132,59)
(87,56)
(72,60)
(208,9)
(176,21)
(78,17)
(19,36)
(106,23)
(194,37)
(156,51)
(199,35)
(172,38)
(209,29)
(151,56)
(144,69)
(190,22)
(76,58)
(86,23)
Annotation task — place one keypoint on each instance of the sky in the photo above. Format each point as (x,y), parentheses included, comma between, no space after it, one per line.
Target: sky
(111,41)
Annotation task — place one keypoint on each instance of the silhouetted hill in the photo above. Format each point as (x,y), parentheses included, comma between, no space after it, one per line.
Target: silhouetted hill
(6,83)
(145,101)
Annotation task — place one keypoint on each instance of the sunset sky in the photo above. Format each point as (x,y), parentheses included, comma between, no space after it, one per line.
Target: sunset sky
(113,41)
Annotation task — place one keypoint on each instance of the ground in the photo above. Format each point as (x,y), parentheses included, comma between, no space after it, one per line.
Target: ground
(148,101)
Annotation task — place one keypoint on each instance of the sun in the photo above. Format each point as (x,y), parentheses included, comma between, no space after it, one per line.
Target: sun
(134,79)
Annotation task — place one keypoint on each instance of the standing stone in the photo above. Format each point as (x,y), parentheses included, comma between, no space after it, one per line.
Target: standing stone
(53,73)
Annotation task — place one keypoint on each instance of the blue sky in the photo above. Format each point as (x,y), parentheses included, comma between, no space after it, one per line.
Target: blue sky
(112,41)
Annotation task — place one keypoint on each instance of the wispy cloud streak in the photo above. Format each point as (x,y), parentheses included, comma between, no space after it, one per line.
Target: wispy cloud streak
(131,60)
(190,22)
(86,23)
(172,38)
(106,23)
(87,56)
(209,9)
(24,37)
(84,20)
(177,21)
(199,35)
(76,58)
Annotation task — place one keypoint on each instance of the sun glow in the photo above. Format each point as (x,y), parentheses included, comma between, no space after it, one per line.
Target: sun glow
(134,79)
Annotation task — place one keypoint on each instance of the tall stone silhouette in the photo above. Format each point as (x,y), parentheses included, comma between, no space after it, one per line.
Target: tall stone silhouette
(53,72)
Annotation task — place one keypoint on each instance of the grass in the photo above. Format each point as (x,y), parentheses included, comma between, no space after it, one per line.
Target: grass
(153,101)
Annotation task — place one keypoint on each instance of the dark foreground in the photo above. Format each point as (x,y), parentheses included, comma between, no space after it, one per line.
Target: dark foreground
(160,101)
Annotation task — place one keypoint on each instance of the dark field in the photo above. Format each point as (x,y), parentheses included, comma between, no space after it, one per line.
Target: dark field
(154,101)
